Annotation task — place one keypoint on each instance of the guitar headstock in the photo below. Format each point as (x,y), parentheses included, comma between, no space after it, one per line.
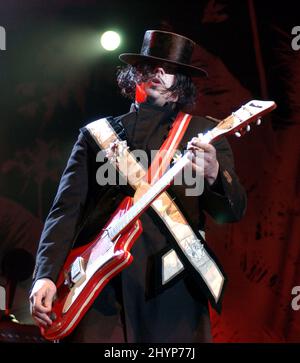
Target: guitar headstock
(240,120)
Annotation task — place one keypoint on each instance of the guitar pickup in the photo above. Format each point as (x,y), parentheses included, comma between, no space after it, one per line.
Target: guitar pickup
(77,272)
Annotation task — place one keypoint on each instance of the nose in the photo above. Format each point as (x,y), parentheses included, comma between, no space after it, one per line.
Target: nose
(159,70)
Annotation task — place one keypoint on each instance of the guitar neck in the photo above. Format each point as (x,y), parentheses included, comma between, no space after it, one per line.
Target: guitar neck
(145,201)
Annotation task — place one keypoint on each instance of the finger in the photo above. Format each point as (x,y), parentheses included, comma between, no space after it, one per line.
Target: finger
(193,160)
(199,156)
(191,146)
(48,300)
(199,169)
(206,147)
(197,142)
(37,304)
(44,317)
(190,155)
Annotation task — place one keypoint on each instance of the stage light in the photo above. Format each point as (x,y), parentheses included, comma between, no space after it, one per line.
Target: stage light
(110,40)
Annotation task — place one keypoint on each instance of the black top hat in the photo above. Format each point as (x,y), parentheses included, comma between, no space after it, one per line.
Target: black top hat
(161,46)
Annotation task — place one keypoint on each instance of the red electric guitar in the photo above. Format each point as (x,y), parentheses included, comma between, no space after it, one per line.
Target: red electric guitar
(90,267)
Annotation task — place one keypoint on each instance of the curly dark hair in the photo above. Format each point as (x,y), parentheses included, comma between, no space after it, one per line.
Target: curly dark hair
(183,87)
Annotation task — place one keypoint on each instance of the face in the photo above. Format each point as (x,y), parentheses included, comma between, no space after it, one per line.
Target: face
(162,79)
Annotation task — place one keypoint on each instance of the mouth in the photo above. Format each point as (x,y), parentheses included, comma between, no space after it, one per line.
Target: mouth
(156,81)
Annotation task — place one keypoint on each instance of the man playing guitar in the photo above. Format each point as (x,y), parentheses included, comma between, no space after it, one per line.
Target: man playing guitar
(140,304)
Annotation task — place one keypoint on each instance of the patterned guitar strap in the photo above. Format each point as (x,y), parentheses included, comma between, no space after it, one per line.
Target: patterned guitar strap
(192,251)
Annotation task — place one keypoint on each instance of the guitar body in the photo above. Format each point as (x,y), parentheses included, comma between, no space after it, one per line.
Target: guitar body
(87,270)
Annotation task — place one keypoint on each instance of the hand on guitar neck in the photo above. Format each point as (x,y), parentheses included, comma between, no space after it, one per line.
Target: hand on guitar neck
(206,164)
(237,123)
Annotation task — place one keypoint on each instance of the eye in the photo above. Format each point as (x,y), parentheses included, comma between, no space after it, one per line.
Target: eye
(169,69)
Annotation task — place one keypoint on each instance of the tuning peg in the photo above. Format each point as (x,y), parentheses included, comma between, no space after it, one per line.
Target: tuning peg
(248,128)
(258,122)
(238,134)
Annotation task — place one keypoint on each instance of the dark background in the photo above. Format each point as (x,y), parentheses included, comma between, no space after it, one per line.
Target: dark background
(54,78)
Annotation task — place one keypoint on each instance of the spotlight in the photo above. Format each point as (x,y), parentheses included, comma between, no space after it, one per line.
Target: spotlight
(110,40)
